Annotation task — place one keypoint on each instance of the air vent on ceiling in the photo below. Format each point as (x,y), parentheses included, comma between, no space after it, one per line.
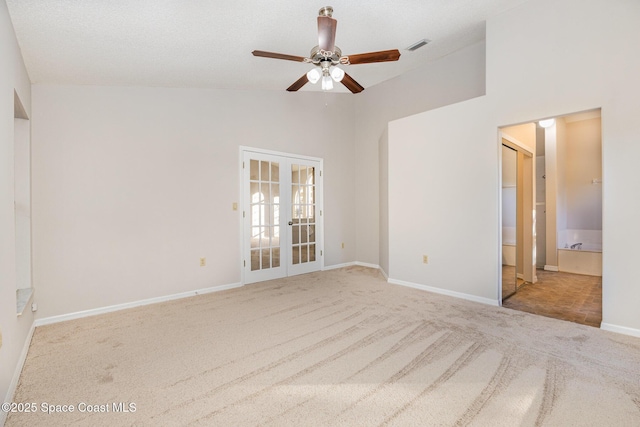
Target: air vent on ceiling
(417,45)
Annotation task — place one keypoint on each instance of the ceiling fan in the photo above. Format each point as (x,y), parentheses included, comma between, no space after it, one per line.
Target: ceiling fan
(326,56)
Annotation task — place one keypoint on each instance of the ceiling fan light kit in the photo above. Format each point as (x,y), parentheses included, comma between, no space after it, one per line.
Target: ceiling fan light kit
(337,74)
(313,75)
(327,83)
(326,56)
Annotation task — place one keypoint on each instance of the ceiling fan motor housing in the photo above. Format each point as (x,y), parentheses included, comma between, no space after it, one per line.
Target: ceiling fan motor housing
(318,55)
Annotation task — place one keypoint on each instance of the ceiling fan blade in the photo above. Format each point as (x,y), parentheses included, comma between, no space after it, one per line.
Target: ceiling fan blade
(351,84)
(298,83)
(277,56)
(327,33)
(381,56)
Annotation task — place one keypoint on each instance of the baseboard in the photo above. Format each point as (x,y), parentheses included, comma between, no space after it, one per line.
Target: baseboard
(551,268)
(16,374)
(117,307)
(366,264)
(620,329)
(384,273)
(337,266)
(350,264)
(454,294)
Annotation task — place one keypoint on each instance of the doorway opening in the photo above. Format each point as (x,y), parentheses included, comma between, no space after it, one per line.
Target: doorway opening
(282,224)
(567,220)
(22,203)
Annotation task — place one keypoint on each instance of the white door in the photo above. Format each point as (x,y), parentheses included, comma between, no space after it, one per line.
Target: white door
(282,215)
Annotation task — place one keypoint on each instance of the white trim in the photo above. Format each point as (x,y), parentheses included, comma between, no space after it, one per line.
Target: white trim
(241,211)
(244,148)
(337,266)
(16,374)
(320,202)
(454,294)
(620,329)
(351,264)
(139,303)
(519,145)
(384,274)
(499,207)
(551,268)
(366,264)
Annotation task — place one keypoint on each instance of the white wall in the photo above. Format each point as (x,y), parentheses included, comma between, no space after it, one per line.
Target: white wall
(14,330)
(576,69)
(443,199)
(131,186)
(584,165)
(450,79)
(562,160)
(551,194)
(541,204)
(383,226)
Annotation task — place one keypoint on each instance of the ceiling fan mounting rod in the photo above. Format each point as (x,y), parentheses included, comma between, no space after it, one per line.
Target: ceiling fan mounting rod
(326,11)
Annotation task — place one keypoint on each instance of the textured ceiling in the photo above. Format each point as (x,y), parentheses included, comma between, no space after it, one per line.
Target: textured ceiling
(208,43)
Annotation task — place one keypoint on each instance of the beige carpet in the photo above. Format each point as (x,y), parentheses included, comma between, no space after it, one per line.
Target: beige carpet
(340,347)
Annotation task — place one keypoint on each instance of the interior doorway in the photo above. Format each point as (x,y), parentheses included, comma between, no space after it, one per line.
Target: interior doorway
(567,220)
(22,204)
(282,215)
(518,239)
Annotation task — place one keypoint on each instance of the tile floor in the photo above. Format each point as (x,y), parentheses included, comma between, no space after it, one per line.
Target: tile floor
(573,297)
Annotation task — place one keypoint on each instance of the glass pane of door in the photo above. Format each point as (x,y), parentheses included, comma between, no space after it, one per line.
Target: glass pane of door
(264,214)
(303,213)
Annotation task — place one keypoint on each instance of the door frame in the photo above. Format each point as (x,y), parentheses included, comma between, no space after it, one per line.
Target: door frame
(243,210)
(527,165)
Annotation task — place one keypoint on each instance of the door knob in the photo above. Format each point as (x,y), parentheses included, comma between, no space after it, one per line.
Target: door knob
(290,222)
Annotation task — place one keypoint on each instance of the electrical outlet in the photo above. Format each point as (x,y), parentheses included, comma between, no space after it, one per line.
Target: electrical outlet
(425,259)
(203,262)
(342,245)
(235,206)
(0,337)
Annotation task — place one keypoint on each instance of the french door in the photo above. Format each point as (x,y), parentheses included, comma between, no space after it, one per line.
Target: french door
(282,215)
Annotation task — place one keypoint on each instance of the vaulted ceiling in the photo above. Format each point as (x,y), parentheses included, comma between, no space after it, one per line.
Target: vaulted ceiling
(208,43)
